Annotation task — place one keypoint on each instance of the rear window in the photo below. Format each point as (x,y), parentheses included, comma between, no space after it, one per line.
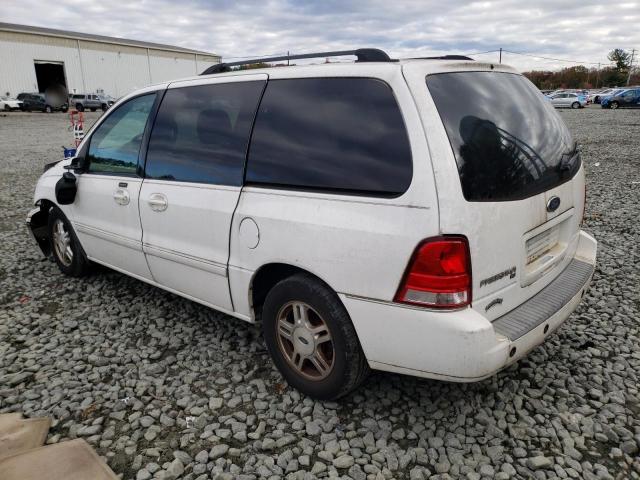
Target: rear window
(343,135)
(508,141)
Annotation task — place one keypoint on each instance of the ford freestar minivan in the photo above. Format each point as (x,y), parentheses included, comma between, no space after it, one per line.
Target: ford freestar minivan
(416,216)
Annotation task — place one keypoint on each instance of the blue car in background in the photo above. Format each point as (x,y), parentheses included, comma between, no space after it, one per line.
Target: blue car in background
(629,98)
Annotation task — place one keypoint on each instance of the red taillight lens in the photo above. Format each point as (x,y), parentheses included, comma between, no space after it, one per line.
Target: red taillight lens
(439,274)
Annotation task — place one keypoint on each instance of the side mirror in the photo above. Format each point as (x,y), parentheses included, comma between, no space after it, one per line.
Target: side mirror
(66,189)
(78,165)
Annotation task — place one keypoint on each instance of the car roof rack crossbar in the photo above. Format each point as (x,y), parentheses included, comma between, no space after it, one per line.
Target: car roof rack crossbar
(362,54)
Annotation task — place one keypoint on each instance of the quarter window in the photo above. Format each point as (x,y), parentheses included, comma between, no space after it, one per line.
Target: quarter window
(115,145)
(201,133)
(337,134)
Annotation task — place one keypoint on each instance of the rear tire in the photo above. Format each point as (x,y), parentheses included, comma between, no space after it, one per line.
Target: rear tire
(48,109)
(80,108)
(311,339)
(65,246)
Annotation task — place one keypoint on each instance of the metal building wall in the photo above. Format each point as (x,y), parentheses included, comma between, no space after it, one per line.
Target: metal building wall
(115,69)
(18,53)
(91,66)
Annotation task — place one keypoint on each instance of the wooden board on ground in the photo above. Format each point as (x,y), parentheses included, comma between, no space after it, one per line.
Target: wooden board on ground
(18,434)
(72,460)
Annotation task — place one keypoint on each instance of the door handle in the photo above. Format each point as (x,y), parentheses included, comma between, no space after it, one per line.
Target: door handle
(121,196)
(158,202)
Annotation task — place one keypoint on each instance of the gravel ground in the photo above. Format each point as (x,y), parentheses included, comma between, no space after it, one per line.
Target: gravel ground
(165,388)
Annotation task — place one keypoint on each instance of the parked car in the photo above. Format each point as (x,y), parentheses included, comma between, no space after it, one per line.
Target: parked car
(88,101)
(106,101)
(38,101)
(419,217)
(570,100)
(624,99)
(7,104)
(597,97)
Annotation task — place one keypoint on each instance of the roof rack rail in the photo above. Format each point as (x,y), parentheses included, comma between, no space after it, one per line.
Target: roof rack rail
(363,55)
(448,57)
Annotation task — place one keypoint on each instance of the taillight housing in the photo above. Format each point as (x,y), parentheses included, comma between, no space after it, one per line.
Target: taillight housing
(438,275)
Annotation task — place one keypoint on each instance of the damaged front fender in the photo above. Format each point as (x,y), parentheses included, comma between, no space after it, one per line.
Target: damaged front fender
(37,225)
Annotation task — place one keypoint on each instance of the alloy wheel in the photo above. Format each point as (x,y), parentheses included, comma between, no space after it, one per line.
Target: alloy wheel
(62,243)
(305,340)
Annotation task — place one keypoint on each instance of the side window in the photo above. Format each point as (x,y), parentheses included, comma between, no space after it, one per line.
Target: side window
(115,145)
(337,134)
(201,133)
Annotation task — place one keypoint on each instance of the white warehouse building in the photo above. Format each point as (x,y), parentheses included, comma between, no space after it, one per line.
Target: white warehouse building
(33,59)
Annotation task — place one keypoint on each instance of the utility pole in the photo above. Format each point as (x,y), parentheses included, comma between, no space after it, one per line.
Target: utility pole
(633,52)
(598,76)
(287,58)
(500,61)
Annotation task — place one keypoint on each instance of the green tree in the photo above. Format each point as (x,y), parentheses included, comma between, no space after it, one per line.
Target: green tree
(621,58)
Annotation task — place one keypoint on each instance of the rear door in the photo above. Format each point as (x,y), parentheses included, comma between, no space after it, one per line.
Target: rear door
(193,177)
(508,178)
(559,100)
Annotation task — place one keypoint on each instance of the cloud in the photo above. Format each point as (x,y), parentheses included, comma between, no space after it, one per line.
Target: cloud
(583,30)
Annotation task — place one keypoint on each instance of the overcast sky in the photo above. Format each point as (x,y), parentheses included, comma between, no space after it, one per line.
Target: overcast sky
(578,30)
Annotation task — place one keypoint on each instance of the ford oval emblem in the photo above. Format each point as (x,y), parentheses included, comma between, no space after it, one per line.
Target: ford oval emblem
(553,204)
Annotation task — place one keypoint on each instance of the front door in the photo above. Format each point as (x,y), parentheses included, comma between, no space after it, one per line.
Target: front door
(105,211)
(193,177)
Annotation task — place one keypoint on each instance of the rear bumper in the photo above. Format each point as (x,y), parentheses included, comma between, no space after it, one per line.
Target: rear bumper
(464,346)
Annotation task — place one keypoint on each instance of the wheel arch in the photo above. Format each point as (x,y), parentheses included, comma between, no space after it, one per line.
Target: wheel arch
(38,222)
(267,276)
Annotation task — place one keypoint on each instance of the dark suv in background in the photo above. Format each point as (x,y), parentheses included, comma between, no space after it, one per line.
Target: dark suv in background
(38,102)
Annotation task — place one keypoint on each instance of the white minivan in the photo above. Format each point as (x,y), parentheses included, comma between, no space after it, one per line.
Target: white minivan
(417,216)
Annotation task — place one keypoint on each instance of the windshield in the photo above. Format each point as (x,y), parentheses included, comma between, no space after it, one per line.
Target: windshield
(509,143)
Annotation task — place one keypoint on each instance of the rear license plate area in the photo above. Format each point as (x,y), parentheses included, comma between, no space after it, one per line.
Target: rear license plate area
(541,244)
(545,247)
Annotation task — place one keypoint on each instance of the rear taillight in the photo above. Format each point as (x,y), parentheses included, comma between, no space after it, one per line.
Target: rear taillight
(439,274)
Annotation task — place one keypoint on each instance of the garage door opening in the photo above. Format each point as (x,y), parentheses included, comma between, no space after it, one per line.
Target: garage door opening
(51,81)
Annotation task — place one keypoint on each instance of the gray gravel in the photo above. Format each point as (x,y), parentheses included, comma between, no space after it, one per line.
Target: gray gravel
(165,388)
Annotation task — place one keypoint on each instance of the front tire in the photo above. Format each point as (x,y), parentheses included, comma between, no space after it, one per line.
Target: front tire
(48,109)
(614,105)
(65,247)
(311,339)
(575,105)
(80,108)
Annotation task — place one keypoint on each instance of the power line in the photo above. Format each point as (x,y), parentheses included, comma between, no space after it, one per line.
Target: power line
(550,58)
(480,53)
(277,54)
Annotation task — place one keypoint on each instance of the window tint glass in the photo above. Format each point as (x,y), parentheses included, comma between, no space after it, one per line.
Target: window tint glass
(201,133)
(509,143)
(342,134)
(115,144)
